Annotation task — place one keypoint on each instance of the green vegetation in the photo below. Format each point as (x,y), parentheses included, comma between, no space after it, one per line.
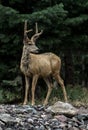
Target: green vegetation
(77,95)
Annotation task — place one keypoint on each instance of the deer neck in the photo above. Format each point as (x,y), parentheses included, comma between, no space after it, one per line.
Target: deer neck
(25,60)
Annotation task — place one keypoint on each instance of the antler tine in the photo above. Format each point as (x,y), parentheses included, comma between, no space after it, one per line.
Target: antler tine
(29,31)
(25,27)
(36,35)
(26,39)
(36,25)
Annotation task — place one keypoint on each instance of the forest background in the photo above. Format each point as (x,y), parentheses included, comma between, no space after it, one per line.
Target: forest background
(65,25)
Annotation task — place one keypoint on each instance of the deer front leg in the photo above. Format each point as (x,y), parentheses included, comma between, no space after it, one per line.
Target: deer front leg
(34,81)
(50,86)
(26,90)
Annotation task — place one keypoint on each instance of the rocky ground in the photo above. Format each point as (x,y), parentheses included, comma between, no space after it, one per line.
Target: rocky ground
(18,117)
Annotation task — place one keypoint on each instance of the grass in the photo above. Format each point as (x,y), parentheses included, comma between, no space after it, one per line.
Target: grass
(77,95)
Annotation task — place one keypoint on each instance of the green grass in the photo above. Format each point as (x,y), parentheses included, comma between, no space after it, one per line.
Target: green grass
(77,95)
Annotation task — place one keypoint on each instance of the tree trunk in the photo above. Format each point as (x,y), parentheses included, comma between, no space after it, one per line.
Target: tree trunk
(4,2)
(0,1)
(84,71)
(69,70)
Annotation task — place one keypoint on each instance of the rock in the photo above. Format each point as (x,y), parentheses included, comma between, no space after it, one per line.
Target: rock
(74,128)
(63,125)
(42,127)
(24,109)
(83,110)
(6,118)
(1,128)
(8,129)
(18,117)
(61,118)
(36,128)
(63,108)
(30,120)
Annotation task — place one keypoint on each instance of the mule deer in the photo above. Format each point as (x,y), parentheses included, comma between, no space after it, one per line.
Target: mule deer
(39,65)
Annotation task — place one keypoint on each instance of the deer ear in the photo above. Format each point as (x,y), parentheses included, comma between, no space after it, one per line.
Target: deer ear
(25,43)
(25,40)
(30,43)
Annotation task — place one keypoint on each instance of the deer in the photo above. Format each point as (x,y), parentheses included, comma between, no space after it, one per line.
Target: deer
(34,65)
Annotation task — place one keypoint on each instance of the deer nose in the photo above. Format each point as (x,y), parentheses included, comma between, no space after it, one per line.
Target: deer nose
(34,50)
(37,50)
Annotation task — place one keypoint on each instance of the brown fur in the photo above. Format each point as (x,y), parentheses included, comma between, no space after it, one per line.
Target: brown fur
(40,65)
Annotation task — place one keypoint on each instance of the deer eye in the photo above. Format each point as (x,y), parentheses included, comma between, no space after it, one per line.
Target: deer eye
(29,44)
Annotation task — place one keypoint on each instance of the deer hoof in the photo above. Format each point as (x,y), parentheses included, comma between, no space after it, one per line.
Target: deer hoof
(66,100)
(33,104)
(24,103)
(45,103)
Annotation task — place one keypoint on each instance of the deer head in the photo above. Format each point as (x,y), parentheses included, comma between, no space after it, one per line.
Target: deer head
(29,43)
(33,39)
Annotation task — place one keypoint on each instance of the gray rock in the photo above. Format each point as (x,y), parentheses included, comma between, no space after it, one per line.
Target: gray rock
(18,117)
(6,118)
(8,129)
(1,128)
(61,118)
(42,127)
(36,128)
(30,120)
(25,109)
(63,108)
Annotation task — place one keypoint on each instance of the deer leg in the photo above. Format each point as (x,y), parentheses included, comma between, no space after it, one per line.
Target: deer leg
(26,90)
(50,86)
(61,82)
(34,81)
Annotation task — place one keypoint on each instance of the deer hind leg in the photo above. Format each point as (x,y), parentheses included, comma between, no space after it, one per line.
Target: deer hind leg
(34,81)
(26,90)
(50,86)
(61,82)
